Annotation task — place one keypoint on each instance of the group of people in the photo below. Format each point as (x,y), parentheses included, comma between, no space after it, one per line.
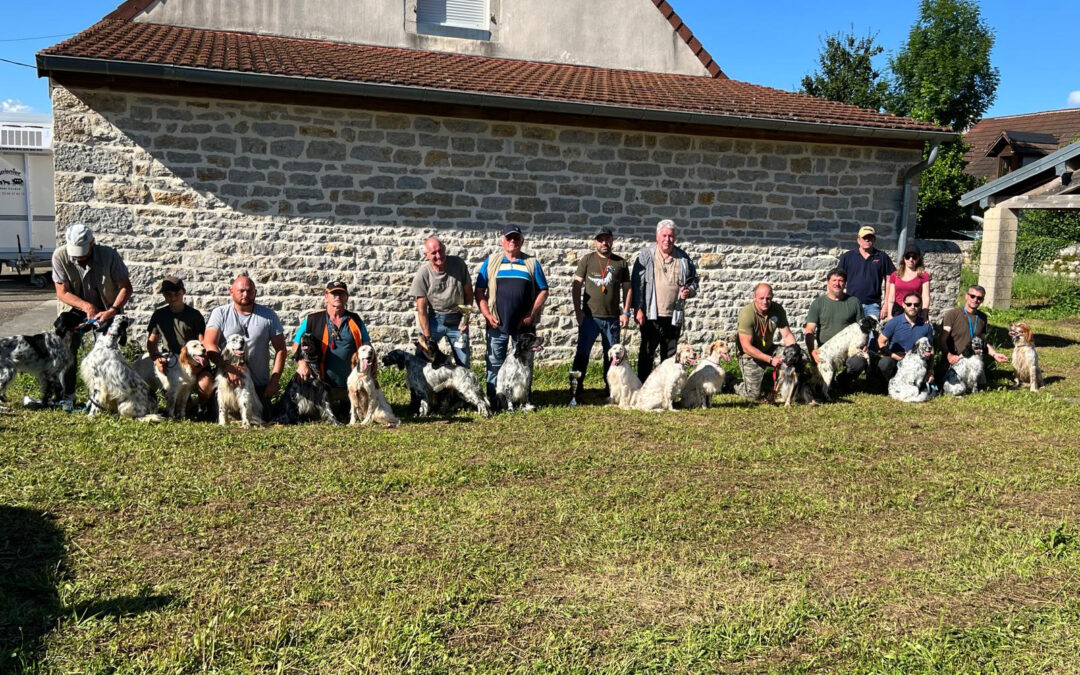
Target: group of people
(510,290)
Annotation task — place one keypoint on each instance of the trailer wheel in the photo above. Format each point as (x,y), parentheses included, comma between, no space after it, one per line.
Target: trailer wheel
(38,281)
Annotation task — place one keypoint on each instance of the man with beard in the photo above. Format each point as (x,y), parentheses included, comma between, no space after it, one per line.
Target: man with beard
(605,279)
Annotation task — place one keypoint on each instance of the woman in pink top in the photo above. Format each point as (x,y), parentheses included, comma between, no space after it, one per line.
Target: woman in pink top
(910,278)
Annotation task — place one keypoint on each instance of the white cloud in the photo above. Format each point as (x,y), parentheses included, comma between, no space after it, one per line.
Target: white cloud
(14,105)
(1074,99)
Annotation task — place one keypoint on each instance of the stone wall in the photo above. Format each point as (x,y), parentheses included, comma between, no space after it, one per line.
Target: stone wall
(299,195)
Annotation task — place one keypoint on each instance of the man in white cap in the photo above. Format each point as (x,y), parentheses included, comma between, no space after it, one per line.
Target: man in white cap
(91,278)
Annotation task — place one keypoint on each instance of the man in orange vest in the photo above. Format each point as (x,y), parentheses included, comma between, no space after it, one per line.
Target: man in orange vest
(339,333)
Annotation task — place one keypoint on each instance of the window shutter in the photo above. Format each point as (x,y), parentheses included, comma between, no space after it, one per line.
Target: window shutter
(458,13)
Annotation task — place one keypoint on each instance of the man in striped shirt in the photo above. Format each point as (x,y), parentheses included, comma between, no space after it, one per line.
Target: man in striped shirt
(510,291)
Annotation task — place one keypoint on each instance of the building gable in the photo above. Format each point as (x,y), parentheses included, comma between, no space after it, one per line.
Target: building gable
(642,35)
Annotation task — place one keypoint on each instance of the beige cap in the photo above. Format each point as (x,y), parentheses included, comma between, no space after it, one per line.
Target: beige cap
(79,238)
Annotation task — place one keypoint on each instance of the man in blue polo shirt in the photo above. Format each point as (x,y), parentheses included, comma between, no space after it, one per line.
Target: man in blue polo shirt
(899,335)
(867,268)
(510,291)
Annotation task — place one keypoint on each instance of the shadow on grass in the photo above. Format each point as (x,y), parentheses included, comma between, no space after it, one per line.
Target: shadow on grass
(1053,341)
(32,564)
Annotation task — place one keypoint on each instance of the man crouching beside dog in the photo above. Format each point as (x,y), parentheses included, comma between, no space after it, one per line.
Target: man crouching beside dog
(261,328)
(173,326)
(339,333)
(757,325)
(960,324)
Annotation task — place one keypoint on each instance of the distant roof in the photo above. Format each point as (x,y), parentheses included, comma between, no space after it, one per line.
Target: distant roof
(1062,125)
(1063,161)
(121,47)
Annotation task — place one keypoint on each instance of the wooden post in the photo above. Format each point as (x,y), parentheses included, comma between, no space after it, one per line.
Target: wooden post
(998,255)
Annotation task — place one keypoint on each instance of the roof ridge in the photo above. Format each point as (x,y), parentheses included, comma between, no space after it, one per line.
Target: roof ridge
(129,9)
(1030,114)
(684,32)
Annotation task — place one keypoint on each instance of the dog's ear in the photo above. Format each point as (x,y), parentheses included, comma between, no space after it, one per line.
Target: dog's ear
(354,359)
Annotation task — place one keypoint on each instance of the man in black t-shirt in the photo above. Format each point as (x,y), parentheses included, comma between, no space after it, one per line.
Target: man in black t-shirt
(172,326)
(605,279)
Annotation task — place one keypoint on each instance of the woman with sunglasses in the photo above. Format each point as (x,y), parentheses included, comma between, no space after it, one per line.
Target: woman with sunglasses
(910,278)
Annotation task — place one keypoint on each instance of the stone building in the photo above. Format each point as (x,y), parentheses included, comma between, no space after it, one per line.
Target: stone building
(303,140)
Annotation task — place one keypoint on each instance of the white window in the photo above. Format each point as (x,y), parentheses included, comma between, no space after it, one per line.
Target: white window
(467,14)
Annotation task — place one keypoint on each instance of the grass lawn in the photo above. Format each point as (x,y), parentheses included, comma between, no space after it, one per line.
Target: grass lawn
(862,536)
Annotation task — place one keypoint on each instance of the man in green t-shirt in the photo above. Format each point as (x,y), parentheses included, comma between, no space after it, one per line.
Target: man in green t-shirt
(602,280)
(757,325)
(829,314)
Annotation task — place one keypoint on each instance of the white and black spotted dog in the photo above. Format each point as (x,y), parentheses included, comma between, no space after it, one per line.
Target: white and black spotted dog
(833,355)
(792,379)
(237,401)
(909,384)
(429,378)
(968,374)
(513,384)
(45,356)
(306,399)
(111,384)
(179,377)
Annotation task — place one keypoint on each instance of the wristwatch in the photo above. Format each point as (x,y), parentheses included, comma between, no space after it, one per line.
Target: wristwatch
(628,312)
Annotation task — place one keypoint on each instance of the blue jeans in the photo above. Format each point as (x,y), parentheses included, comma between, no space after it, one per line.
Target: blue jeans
(873,309)
(590,328)
(496,354)
(449,326)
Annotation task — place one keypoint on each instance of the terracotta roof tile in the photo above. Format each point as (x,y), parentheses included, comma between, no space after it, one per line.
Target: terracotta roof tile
(121,40)
(1063,125)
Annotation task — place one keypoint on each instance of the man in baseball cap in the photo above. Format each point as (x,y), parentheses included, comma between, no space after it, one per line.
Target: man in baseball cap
(867,269)
(173,326)
(90,278)
(510,290)
(339,333)
(602,279)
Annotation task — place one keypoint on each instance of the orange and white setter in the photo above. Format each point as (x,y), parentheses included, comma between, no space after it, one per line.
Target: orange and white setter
(1025,360)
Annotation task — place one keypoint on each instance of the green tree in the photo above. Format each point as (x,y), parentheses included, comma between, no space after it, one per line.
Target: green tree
(940,187)
(847,72)
(943,74)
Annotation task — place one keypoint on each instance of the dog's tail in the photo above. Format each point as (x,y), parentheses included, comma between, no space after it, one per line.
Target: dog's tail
(150,418)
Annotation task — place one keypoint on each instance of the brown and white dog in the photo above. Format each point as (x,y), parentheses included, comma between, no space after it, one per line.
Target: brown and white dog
(367,402)
(707,379)
(666,381)
(178,379)
(621,379)
(1025,360)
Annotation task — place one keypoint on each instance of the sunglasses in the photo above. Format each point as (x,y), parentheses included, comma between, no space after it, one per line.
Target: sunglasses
(513,237)
(975,297)
(911,256)
(912,304)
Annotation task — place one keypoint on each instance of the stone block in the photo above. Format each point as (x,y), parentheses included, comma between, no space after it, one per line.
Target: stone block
(332,151)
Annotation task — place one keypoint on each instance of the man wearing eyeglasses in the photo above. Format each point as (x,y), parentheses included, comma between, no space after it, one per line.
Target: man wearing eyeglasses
(90,278)
(960,324)
(339,333)
(900,334)
(511,291)
(262,328)
(867,268)
(441,287)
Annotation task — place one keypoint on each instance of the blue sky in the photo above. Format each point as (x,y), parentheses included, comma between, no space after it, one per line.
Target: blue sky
(774,44)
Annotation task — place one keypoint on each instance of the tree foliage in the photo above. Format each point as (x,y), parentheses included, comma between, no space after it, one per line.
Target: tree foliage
(847,72)
(940,187)
(943,74)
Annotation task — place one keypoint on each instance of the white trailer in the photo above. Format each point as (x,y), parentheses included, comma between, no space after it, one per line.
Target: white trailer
(27,208)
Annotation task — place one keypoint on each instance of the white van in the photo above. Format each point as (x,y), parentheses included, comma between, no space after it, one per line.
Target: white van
(27,207)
